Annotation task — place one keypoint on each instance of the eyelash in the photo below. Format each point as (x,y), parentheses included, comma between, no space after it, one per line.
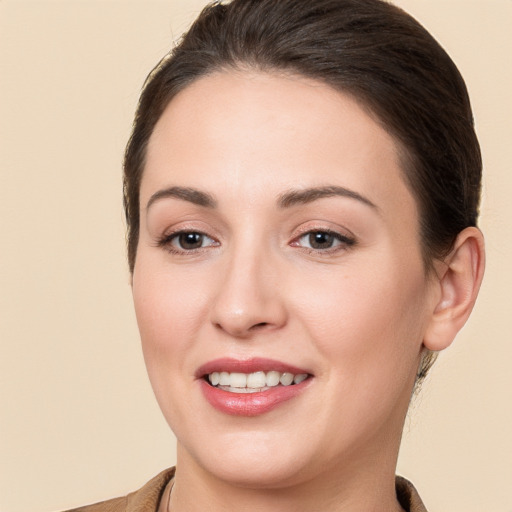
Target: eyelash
(344,242)
(166,241)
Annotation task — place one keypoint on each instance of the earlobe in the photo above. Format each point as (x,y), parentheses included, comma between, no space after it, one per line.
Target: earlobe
(459,283)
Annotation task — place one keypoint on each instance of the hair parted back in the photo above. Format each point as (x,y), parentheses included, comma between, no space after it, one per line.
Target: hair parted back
(369,49)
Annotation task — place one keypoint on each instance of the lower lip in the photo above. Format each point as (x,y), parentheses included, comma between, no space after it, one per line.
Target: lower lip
(250,404)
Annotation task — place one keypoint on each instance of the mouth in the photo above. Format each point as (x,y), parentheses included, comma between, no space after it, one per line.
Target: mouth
(236,382)
(250,387)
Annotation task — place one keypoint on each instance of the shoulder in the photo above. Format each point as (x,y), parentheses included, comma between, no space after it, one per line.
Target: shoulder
(146,499)
(408,496)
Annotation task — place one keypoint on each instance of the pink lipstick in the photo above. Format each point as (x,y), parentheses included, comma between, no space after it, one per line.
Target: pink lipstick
(250,387)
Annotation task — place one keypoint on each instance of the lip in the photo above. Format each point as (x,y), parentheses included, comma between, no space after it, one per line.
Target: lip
(254,364)
(249,404)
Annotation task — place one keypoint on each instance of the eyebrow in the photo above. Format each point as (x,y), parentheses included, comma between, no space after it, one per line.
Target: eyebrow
(308,195)
(189,194)
(285,200)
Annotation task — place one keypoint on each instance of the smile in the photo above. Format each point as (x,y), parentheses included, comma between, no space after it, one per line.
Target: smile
(235,382)
(251,387)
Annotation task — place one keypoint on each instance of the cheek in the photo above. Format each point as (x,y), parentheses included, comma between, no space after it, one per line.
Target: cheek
(166,310)
(166,307)
(167,304)
(368,319)
(368,332)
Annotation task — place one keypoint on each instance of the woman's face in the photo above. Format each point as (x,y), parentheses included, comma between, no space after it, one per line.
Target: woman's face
(277,235)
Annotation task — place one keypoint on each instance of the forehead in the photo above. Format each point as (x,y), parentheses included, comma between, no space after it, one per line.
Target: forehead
(245,131)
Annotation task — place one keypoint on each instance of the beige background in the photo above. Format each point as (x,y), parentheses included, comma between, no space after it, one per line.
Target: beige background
(78,422)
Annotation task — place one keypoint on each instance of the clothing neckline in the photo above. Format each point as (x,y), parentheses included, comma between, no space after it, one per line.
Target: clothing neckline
(406,493)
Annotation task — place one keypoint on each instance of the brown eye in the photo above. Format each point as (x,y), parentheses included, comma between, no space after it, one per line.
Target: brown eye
(187,241)
(321,240)
(190,241)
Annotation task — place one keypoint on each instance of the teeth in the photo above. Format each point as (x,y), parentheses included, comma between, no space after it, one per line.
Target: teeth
(299,378)
(238,380)
(286,379)
(257,381)
(224,379)
(273,378)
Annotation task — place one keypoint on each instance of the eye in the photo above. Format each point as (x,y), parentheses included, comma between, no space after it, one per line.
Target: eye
(323,240)
(184,241)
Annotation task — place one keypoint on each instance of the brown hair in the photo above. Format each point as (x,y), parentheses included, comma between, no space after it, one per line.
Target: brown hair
(369,49)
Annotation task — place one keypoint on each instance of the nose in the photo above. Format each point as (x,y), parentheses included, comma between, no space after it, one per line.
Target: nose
(250,296)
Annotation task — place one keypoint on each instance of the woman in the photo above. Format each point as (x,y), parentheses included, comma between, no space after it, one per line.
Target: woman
(301,191)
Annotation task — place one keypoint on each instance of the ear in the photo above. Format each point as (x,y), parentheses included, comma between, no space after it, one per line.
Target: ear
(459,277)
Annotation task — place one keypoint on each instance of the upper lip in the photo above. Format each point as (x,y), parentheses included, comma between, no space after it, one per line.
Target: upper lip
(255,364)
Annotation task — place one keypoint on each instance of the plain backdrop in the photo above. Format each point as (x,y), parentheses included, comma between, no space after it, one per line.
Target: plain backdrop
(78,421)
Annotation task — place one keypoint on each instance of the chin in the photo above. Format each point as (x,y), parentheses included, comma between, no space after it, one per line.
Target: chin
(252,460)
(257,474)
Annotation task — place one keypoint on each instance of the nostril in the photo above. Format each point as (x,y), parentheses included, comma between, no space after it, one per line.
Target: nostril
(256,327)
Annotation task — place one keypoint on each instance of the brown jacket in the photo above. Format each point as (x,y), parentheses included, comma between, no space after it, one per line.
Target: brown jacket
(147,499)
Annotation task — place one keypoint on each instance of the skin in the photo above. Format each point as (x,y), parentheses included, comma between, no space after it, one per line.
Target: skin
(357,315)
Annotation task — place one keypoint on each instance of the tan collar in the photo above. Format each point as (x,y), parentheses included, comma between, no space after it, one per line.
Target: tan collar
(155,495)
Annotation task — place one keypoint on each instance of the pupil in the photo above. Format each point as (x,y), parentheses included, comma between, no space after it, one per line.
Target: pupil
(320,240)
(191,240)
